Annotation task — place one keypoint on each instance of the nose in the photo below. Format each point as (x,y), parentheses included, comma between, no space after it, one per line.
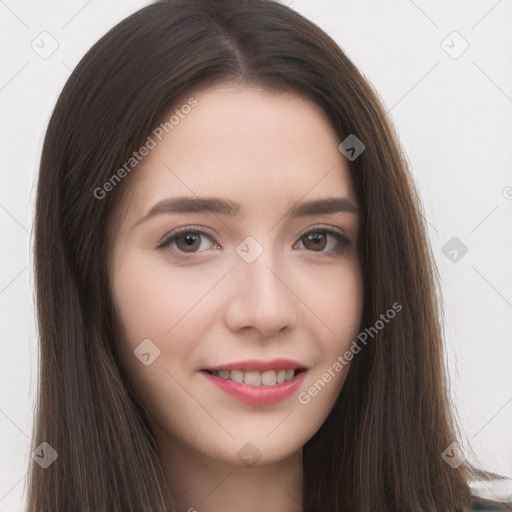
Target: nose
(262,298)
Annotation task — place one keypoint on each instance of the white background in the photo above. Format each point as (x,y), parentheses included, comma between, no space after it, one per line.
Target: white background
(454,118)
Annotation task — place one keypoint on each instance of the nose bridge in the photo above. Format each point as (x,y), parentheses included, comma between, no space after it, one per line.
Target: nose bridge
(260,297)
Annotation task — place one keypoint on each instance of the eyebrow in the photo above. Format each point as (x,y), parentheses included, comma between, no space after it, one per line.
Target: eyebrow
(217,205)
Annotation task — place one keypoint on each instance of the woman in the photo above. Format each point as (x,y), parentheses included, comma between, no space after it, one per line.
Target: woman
(236,298)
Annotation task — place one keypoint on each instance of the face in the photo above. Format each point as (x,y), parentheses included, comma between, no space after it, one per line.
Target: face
(226,256)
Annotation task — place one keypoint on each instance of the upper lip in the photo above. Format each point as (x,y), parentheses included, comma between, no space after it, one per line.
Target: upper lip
(261,366)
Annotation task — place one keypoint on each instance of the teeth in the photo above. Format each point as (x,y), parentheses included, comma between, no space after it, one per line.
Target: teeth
(254,378)
(237,376)
(268,378)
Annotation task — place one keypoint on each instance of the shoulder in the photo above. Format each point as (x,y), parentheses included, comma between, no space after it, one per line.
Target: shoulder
(490,495)
(478,503)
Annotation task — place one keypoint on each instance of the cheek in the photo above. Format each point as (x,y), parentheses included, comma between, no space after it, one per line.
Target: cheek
(171,307)
(335,297)
(339,309)
(156,310)
(152,298)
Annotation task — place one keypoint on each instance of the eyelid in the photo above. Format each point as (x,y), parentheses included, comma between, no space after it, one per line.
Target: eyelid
(326,227)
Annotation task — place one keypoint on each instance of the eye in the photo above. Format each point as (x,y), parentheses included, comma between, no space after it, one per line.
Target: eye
(186,240)
(191,240)
(318,239)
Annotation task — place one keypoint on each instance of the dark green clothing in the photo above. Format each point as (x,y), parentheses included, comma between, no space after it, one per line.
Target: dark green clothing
(485,504)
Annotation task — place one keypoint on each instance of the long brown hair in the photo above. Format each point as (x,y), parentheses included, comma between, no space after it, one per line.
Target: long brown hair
(380,448)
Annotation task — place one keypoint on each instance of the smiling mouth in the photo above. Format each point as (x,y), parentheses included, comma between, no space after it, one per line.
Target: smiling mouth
(257,378)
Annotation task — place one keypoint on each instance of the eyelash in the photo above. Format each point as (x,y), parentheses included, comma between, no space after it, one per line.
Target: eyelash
(344,242)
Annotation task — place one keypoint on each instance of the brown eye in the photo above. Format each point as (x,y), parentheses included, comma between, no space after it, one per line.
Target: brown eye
(319,239)
(188,243)
(315,241)
(187,240)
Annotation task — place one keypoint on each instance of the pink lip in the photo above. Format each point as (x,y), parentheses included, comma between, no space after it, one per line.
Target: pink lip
(257,395)
(261,366)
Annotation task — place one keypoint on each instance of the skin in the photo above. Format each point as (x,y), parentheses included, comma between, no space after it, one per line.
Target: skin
(264,150)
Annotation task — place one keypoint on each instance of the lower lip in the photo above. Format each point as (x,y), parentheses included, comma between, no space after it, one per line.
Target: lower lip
(257,395)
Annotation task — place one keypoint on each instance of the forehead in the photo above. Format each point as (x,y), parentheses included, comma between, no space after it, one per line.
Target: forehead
(257,147)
